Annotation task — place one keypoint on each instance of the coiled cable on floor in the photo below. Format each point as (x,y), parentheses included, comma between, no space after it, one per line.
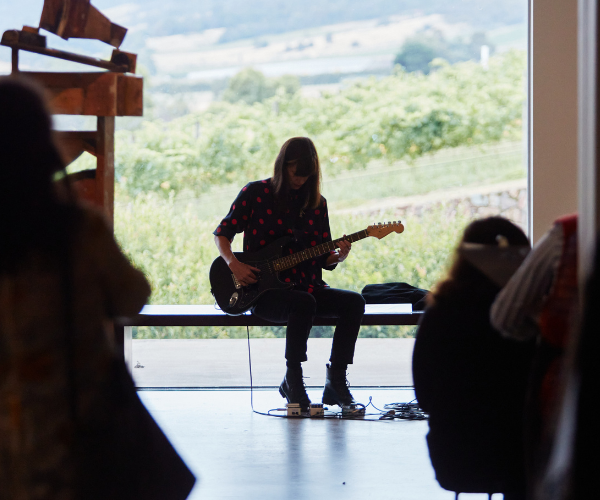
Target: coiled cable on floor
(393,411)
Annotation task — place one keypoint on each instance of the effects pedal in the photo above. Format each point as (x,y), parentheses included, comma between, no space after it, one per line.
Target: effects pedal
(353,411)
(317,410)
(293,410)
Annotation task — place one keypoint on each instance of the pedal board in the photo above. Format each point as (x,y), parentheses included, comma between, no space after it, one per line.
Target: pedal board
(353,411)
(293,410)
(317,410)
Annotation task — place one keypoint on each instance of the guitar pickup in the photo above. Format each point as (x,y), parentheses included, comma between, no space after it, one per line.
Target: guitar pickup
(236,283)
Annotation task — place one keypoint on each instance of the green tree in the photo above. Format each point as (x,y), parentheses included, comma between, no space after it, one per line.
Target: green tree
(248,86)
(290,84)
(418,52)
(416,55)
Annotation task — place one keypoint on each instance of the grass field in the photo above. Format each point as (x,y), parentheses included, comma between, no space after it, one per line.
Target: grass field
(446,169)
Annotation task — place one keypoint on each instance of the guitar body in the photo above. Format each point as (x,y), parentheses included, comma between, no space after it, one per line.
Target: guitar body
(234,299)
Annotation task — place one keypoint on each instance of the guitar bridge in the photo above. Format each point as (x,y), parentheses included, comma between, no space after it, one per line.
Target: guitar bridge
(236,283)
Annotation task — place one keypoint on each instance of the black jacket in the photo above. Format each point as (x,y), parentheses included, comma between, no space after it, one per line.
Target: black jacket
(473,384)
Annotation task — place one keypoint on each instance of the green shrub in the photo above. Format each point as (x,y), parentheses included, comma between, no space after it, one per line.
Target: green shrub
(405,115)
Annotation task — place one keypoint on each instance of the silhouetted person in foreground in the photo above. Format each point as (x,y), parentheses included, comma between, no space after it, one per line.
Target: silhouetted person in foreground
(586,371)
(541,302)
(62,278)
(470,380)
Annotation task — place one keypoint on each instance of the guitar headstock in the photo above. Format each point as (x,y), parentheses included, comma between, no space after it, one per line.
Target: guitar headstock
(382,229)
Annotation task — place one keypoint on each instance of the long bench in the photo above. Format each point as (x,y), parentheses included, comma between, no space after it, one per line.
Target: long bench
(208,315)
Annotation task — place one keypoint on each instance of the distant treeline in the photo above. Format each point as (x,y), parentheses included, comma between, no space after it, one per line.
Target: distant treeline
(404,115)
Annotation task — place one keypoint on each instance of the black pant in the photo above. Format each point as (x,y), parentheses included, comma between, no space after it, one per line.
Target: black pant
(298,309)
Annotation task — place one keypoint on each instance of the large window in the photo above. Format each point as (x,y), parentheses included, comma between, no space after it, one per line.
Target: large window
(417,110)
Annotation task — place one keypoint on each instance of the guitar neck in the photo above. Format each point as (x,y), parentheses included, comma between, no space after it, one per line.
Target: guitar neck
(294,259)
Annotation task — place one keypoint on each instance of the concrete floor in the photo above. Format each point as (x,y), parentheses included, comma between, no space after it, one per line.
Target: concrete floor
(224,363)
(237,454)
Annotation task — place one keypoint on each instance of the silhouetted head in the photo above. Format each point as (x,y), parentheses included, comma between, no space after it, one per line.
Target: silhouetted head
(27,150)
(494,230)
(297,168)
(463,275)
(28,156)
(33,219)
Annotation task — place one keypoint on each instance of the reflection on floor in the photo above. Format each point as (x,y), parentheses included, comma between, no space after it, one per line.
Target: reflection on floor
(237,454)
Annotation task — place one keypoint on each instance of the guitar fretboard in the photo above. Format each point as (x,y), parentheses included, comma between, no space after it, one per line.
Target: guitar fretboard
(294,259)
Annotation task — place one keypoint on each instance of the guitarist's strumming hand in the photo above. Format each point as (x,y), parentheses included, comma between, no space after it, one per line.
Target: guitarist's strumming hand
(341,254)
(245,274)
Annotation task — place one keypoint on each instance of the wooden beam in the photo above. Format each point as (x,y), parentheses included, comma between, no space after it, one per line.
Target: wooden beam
(15,61)
(84,185)
(11,38)
(105,165)
(80,19)
(73,144)
(128,59)
(130,96)
(92,94)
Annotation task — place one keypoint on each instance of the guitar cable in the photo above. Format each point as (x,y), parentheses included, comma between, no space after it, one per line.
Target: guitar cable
(392,411)
(251,385)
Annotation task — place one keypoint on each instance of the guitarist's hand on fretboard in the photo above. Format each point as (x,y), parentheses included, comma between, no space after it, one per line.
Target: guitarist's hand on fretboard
(344,250)
(340,255)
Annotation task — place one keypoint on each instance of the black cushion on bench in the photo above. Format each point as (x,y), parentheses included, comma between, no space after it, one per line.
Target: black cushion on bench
(395,293)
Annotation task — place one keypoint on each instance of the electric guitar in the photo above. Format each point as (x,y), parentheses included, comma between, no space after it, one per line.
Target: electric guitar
(235,299)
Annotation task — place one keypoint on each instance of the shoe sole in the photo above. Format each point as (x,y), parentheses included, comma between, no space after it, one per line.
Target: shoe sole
(284,396)
(328,399)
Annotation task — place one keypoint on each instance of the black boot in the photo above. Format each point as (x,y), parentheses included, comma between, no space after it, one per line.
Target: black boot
(336,388)
(292,388)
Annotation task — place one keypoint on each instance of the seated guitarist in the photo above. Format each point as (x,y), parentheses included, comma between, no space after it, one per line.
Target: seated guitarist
(290,204)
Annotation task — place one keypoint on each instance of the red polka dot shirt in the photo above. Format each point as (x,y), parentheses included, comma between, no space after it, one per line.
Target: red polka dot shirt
(254,213)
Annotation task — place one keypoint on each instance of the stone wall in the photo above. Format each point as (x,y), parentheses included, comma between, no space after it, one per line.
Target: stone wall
(508,199)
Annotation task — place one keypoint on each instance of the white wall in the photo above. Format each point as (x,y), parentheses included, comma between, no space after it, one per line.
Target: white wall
(553,112)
